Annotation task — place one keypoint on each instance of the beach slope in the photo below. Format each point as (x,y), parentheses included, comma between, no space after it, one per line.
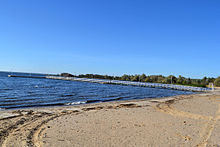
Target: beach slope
(188,120)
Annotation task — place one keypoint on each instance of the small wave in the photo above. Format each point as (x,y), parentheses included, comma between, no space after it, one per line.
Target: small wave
(77,103)
(6,89)
(32,105)
(109,100)
(46,87)
(69,95)
(93,101)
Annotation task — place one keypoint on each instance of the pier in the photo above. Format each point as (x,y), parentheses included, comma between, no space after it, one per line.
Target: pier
(142,84)
(27,76)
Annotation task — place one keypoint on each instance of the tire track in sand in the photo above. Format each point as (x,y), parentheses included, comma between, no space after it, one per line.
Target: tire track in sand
(26,129)
(168,109)
(209,126)
(16,133)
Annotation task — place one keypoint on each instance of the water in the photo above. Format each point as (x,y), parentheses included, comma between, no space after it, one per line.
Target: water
(30,92)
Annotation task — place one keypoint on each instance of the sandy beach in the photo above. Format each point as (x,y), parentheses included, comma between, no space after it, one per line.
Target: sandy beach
(186,120)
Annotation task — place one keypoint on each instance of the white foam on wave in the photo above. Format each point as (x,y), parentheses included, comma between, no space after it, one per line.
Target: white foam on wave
(76,103)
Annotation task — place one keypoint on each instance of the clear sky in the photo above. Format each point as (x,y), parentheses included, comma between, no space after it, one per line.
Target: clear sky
(114,37)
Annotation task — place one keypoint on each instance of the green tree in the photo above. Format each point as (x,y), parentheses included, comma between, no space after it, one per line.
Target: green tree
(147,79)
(180,79)
(170,79)
(125,77)
(188,81)
(143,77)
(135,78)
(204,81)
(217,81)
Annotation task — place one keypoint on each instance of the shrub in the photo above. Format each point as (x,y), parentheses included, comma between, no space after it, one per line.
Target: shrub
(217,82)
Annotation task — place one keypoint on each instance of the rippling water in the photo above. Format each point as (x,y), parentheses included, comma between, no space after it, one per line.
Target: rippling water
(28,92)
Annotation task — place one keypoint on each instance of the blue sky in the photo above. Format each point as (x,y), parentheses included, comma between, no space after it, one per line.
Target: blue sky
(114,37)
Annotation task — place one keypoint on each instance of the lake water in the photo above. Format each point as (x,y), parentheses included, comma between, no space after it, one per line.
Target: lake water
(30,92)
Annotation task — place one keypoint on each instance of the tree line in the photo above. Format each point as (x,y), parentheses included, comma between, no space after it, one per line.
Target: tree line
(171,79)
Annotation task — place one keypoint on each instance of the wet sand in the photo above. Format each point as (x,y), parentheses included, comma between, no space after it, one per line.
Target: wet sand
(187,120)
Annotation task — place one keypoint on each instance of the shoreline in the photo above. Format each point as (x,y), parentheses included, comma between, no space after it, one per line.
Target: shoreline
(99,103)
(33,123)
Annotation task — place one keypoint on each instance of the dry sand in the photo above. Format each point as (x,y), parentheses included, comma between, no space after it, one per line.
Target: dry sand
(190,120)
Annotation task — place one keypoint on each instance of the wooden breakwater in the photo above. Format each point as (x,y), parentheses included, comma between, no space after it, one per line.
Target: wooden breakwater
(143,84)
